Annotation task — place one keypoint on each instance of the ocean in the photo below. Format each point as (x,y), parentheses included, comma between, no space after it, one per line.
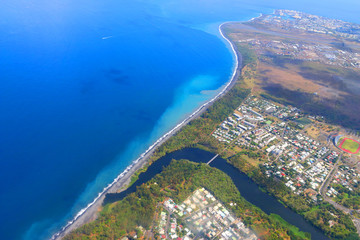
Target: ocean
(87,86)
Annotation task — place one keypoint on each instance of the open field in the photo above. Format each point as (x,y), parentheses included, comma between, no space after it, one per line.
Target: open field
(302,78)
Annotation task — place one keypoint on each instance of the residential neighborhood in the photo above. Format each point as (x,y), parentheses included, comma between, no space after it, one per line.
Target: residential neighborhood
(200,216)
(301,162)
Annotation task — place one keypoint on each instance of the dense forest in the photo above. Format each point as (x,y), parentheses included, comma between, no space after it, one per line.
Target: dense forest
(178,181)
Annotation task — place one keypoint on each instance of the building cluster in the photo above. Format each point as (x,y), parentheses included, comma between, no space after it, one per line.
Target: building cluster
(301,162)
(345,176)
(161,228)
(204,217)
(307,51)
(243,128)
(337,54)
(292,20)
(247,127)
(300,169)
(242,120)
(269,108)
(168,226)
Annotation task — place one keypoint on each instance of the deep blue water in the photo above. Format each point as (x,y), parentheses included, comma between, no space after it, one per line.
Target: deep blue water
(87,86)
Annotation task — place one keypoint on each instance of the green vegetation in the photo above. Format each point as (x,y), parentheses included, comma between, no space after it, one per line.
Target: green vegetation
(249,57)
(347,198)
(135,176)
(293,231)
(295,125)
(303,121)
(178,181)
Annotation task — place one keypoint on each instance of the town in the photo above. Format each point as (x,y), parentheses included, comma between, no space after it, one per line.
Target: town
(323,53)
(295,20)
(200,216)
(312,168)
(318,38)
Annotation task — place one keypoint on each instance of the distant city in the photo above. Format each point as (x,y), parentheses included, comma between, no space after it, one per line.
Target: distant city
(292,20)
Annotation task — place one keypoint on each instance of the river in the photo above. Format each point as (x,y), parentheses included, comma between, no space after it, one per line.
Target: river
(248,188)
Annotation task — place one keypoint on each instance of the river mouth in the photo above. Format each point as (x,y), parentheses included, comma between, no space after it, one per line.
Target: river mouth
(248,188)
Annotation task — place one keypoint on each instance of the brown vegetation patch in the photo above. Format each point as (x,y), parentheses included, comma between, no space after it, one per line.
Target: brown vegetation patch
(291,79)
(313,132)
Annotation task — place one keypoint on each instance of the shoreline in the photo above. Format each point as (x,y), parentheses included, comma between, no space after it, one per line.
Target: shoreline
(88,213)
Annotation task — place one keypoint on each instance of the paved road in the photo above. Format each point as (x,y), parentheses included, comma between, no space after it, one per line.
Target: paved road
(323,191)
(329,177)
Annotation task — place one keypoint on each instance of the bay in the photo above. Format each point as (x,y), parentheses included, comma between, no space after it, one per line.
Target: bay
(87,86)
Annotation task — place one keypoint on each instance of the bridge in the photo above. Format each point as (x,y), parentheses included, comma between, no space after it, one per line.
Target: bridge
(208,163)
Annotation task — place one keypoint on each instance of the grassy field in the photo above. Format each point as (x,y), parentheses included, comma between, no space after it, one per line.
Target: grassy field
(349,145)
(303,121)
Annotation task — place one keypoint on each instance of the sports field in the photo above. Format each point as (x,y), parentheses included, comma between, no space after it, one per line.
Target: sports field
(349,145)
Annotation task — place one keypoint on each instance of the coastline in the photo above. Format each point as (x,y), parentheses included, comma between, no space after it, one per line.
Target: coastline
(88,213)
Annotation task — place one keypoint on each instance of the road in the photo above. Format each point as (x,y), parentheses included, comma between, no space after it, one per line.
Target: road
(329,177)
(322,191)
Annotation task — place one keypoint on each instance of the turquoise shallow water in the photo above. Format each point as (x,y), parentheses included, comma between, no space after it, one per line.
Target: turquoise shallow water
(87,86)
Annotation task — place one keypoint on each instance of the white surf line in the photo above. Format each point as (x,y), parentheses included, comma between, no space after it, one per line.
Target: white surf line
(177,127)
(252,19)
